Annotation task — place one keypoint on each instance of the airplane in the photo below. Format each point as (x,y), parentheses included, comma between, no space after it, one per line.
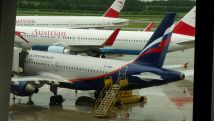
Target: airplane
(81,40)
(57,46)
(109,19)
(183,38)
(89,73)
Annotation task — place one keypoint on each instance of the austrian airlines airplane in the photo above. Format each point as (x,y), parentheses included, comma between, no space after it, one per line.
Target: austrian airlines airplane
(80,40)
(109,19)
(89,73)
(183,38)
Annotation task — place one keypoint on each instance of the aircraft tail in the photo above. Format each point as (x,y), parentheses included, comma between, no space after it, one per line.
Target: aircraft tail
(114,10)
(154,52)
(149,27)
(186,25)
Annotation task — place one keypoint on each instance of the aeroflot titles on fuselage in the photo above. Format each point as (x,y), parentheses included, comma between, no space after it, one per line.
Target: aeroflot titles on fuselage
(42,57)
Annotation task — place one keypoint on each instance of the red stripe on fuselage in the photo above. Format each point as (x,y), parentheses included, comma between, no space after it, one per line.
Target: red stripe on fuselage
(112,13)
(185,29)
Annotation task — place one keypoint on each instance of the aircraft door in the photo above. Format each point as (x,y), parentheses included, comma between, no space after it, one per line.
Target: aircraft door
(123,81)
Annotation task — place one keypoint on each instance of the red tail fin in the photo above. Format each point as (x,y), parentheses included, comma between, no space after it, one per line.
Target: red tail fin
(149,27)
(114,10)
(112,37)
(186,25)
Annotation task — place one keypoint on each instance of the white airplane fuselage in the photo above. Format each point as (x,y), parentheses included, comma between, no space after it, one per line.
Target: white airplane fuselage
(71,67)
(70,21)
(89,73)
(126,40)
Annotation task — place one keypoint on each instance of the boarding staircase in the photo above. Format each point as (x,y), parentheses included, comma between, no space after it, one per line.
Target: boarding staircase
(109,95)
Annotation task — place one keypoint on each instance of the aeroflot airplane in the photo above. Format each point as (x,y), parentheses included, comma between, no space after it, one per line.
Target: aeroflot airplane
(109,19)
(79,40)
(89,73)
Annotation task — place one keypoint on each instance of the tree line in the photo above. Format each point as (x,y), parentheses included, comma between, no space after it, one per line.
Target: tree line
(103,5)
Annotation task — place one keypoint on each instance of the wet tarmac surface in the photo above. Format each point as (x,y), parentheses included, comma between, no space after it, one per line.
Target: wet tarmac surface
(171,102)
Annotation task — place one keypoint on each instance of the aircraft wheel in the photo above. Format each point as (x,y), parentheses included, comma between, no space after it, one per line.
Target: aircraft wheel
(59,99)
(56,100)
(143,98)
(103,56)
(30,102)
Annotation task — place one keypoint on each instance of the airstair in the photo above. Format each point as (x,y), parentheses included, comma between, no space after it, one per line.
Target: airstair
(109,95)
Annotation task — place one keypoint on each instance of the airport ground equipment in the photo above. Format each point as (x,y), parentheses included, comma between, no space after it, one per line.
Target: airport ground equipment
(112,93)
(107,103)
(109,95)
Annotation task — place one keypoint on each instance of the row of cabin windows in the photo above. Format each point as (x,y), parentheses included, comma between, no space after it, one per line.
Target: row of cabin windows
(68,67)
(27,24)
(125,40)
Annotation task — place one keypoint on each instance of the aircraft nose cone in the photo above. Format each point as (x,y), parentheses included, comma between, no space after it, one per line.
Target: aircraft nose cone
(182,76)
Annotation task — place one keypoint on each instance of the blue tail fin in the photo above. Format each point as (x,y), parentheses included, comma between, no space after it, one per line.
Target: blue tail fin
(154,52)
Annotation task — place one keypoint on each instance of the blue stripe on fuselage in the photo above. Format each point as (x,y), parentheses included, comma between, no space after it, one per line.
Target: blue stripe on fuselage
(134,82)
(119,51)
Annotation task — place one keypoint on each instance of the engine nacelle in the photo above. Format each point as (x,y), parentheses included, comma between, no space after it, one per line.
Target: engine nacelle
(23,89)
(40,47)
(58,49)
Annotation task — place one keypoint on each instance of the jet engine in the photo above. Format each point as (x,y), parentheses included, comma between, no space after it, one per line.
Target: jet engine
(23,89)
(58,49)
(40,47)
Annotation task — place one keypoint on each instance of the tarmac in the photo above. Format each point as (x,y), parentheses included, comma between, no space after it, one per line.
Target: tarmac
(171,102)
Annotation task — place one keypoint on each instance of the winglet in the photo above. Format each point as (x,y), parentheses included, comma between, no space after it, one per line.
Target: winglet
(114,10)
(154,52)
(149,27)
(19,34)
(112,37)
(186,65)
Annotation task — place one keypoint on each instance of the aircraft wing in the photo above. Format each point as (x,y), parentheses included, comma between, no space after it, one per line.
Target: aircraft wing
(45,78)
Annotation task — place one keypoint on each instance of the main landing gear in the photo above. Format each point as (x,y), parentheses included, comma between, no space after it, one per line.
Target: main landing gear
(30,102)
(56,99)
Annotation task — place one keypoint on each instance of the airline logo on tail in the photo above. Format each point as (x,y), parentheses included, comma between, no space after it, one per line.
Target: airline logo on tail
(115,9)
(154,52)
(186,25)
